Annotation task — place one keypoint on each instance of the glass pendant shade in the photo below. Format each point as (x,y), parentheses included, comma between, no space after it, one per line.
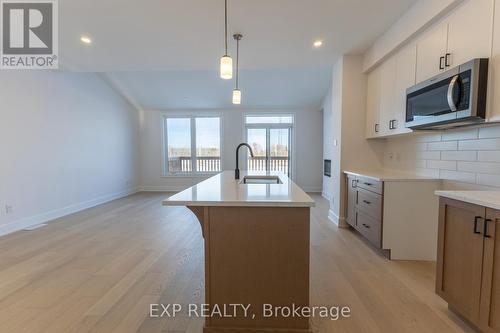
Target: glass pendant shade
(226,67)
(236,96)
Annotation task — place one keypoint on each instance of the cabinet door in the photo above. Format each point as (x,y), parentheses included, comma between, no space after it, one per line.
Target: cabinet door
(460,256)
(406,62)
(490,293)
(352,199)
(373,104)
(430,48)
(387,94)
(494,88)
(469,32)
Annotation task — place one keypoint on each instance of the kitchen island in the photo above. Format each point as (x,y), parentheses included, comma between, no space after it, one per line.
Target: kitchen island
(256,248)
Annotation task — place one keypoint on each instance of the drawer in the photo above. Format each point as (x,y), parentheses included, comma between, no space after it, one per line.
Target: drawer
(370,228)
(370,203)
(370,184)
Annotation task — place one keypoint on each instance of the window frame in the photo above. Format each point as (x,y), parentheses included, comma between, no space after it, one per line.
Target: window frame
(291,126)
(192,117)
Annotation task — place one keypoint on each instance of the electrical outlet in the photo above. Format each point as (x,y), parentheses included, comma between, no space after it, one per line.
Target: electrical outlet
(9,209)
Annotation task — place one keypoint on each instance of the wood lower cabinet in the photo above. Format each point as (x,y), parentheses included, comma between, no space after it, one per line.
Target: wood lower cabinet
(468,265)
(490,296)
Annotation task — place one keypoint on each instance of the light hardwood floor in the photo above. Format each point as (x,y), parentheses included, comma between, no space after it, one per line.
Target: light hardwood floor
(98,271)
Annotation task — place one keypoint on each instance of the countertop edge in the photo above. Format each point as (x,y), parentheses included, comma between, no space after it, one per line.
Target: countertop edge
(269,204)
(395,178)
(461,196)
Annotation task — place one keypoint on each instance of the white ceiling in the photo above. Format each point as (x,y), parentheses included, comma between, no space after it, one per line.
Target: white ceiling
(169,37)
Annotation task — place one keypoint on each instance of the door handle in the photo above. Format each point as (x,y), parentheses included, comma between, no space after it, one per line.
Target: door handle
(476,219)
(441,59)
(485,232)
(449,95)
(447,60)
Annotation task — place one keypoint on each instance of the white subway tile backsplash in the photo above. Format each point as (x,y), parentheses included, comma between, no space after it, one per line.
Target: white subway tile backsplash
(465,177)
(460,135)
(479,167)
(459,155)
(488,156)
(481,144)
(488,180)
(469,156)
(442,145)
(429,137)
(444,165)
(489,132)
(429,155)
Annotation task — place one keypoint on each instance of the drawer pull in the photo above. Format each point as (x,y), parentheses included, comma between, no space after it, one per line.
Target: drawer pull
(476,219)
(368,184)
(366,226)
(485,233)
(367,202)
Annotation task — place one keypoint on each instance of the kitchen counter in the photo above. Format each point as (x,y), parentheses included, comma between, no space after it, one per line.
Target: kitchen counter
(490,199)
(251,232)
(223,190)
(391,176)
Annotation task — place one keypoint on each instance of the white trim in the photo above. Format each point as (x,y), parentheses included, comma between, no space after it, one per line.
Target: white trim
(58,213)
(163,188)
(333,217)
(327,196)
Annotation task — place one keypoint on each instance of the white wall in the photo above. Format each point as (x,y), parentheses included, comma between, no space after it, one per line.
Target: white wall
(308,148)
(68,141)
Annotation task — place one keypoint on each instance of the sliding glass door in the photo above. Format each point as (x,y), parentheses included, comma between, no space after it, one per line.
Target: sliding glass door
(271,144)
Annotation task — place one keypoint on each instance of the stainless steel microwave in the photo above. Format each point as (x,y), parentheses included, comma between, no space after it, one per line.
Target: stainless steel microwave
(454,98)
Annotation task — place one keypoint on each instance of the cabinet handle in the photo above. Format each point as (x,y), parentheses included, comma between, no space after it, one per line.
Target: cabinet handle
(368,184)
(476,219)
(390,125)
(367,202)
(353,183)
(366,226)
(377,128)
(447,60)
(485,233)
(441,59)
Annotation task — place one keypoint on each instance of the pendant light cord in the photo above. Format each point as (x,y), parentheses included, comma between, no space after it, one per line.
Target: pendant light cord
(237,62)
(225,25)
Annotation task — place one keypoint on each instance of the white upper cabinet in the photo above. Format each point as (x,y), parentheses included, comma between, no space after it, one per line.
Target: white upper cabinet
(494,78)
(387,96)
(373,104)
(406,61)
(470,29)
(431,50)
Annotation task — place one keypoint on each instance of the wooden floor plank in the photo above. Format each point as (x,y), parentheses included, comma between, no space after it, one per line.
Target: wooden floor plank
(98,271)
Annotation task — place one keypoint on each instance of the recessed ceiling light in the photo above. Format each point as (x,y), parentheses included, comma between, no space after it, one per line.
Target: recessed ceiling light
(318,43)
(85,40)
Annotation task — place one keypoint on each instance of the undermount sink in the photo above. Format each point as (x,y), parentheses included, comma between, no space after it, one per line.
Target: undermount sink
(261,180)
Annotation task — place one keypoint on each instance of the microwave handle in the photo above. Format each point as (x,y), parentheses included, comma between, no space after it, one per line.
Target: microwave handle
(451,102)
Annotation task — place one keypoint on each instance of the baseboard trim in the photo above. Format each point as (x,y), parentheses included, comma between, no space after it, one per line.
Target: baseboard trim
(333,217)
(58,213)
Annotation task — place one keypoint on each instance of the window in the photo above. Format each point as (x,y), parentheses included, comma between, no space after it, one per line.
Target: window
(271,140)
(192,144)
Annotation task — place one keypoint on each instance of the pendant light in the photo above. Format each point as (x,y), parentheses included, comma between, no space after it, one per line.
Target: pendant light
(226,63)
(237,91)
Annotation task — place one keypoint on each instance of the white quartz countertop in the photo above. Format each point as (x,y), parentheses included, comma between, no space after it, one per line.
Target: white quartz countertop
(490,199)
(223,190)
(391,176)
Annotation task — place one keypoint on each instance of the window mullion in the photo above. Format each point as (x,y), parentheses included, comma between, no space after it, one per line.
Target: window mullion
(194,167)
